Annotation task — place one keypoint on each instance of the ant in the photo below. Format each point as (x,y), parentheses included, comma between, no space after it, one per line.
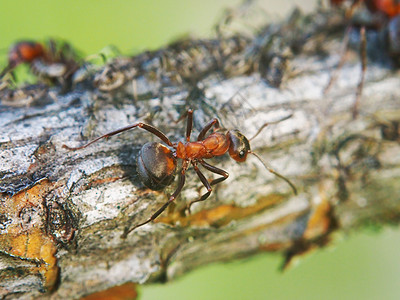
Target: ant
(157,162)
(390,8)
(384,16)
(22,52)
(57,63)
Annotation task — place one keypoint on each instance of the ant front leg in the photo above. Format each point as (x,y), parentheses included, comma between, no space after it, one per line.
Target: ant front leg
(342,59)
(189,124)
(144,126)
(205,182)
(162,208)
(363,57)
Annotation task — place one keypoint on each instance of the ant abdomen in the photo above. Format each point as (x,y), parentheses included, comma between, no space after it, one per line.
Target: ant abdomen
(156,165)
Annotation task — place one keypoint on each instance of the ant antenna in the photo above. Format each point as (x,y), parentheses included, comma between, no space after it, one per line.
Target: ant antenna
(269,123)
(275,172)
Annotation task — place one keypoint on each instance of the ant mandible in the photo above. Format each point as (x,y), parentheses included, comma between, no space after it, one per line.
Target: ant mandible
(157,163)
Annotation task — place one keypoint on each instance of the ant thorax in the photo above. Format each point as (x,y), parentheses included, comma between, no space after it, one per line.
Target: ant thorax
(215,144)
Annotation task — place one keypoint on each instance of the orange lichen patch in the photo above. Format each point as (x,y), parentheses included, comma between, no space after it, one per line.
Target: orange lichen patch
(102,181)
(219,215)
(30,197)
(25,236)
(223,214)
(36,246)
(320,221)
(33,166)
(317,234)
(274,247)
(126,291)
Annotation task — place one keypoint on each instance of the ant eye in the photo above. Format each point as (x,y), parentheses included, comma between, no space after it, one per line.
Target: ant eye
(242,153)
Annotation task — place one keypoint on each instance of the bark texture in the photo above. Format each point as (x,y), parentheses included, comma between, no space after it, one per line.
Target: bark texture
(63,212)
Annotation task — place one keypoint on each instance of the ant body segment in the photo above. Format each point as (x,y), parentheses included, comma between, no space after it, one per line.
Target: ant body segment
(157,162)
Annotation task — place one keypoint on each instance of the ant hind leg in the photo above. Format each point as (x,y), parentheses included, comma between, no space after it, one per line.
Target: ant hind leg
(363,57)
(342,59)
(144,126)
(162,208)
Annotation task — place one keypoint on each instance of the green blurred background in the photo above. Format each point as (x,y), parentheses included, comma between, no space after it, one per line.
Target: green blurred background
(364,265)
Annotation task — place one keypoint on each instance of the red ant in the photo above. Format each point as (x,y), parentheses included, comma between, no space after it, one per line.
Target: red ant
(390,8)
(384,15)
(54,64)
(23,52)
(157,163)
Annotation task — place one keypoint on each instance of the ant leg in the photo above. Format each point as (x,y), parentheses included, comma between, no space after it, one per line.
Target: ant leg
(144,126)
(162,208)
(215,170)
(214,122)
(205,182)
(6,69)
(189,124)
(363,55)
(343,51)
(52,46)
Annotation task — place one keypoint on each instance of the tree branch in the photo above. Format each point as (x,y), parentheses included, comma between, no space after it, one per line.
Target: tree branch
(63,212)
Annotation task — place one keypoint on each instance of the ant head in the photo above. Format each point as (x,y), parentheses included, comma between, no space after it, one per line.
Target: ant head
(156,165)
(239,145)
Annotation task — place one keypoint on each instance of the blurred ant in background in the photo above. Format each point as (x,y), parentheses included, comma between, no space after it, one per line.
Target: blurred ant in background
(157,162)
(383,17)
(389,8)
(55,63)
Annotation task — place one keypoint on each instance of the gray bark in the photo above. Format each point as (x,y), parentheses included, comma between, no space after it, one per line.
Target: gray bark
(63,212)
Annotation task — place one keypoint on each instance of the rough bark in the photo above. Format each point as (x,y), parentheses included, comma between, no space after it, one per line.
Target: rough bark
(63,212)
